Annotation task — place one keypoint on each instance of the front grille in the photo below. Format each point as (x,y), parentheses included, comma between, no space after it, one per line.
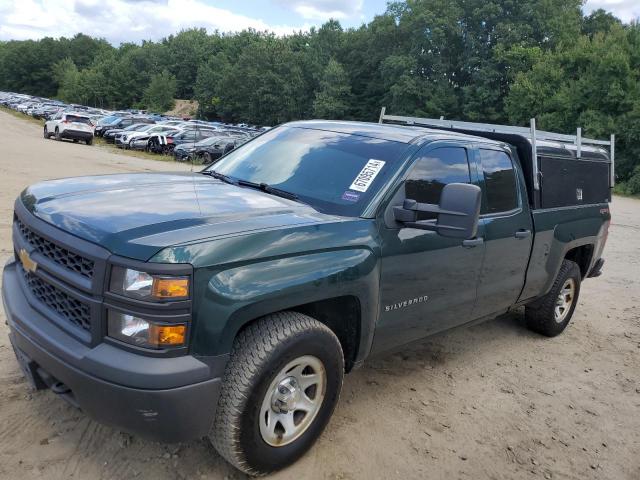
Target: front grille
(76,311)
(66,258)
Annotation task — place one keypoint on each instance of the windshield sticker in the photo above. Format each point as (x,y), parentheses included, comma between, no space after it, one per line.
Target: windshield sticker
(350,196)
(367,175)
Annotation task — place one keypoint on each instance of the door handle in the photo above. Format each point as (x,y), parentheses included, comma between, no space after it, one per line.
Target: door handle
(473,242)
(523,234)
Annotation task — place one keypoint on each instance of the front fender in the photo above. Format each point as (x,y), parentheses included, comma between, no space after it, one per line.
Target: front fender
(238,295)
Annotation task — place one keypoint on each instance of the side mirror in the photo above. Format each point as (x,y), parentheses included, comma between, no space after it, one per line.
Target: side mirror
(458,212)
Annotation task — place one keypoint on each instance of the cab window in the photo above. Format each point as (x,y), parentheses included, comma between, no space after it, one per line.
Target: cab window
(432,171)
(499,182)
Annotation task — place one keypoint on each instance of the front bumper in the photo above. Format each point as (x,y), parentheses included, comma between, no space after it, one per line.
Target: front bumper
(146,396)
(182,155)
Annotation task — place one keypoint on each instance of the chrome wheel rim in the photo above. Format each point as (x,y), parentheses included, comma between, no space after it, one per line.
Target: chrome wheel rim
(565,300)
(292,401)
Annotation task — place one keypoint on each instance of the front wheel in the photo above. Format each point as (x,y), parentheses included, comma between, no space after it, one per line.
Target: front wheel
(551,314)
(279,391)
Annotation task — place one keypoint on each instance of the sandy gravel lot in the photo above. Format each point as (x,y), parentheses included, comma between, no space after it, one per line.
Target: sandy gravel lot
(492,401)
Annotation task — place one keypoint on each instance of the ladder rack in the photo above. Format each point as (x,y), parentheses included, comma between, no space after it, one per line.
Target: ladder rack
(532,134)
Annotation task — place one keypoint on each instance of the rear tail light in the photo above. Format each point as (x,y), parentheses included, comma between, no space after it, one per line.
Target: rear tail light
(169,140)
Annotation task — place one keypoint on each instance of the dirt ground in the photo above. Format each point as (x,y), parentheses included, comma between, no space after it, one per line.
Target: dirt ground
(491,401)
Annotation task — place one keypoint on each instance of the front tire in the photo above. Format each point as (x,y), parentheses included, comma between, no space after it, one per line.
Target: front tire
(279,391)
(551,314)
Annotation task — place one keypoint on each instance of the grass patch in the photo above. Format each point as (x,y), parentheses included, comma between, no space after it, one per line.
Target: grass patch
(101,143)
(21,116)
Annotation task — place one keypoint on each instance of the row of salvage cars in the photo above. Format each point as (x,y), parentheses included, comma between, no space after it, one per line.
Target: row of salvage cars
(187,140)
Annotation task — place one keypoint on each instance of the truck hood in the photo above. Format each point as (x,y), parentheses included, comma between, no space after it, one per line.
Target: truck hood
(137,215)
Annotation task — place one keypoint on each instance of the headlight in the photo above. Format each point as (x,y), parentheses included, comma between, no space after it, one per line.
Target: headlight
(145,333)
(145,286)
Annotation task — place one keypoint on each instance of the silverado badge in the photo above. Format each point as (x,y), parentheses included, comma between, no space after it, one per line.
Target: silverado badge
(28,264)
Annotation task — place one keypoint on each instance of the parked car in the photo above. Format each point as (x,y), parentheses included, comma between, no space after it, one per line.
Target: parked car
(211,150)
(110,135)
(126,139)
(72,126)
(189,135)
(120,138)
(106,123)
(152,141)
(229,303)
(121,124)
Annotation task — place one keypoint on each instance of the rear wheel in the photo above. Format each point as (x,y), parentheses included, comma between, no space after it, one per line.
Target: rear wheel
(279,391)
(57,134)
(207,158)
(45,133)
(551,314)
(89,141)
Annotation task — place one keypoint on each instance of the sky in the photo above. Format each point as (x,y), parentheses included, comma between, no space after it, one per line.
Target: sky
(136,20)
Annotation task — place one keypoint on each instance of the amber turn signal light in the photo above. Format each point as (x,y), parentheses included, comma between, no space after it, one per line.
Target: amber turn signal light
(167,335)
(170,287)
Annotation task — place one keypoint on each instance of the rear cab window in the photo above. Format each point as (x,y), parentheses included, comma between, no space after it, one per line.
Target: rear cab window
(500,185)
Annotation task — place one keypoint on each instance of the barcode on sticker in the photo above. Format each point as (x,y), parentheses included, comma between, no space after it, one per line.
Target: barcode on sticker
(367,175)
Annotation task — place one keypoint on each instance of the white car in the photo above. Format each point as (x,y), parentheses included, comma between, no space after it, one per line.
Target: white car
(126,138)
(74,126)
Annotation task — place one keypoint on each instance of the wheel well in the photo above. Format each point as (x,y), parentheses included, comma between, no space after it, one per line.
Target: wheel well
(582,256)
(342,316)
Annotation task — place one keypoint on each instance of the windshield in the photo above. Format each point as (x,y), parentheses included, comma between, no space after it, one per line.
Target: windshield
(333,172)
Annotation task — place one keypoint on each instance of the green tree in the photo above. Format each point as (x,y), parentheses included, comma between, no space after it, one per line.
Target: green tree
(332,99)
(593,83)
(67,76)
(159,94)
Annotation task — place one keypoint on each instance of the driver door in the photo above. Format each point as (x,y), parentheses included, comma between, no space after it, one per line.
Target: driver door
(428,282)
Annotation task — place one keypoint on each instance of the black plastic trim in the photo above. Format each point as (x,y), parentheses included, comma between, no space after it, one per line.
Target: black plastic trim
(98,254)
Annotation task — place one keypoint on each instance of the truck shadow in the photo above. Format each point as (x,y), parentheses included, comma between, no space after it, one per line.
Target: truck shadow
(456,345)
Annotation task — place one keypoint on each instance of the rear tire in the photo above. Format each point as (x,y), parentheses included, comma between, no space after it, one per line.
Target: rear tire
(551,314)
(58,136)
(207,158)
(45,133)
(89,141)
(279,391)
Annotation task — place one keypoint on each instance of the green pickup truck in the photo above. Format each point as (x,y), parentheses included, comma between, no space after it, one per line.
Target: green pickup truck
(230,302)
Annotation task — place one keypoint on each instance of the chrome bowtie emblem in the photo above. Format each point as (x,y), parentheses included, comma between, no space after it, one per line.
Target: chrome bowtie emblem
(26,261)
